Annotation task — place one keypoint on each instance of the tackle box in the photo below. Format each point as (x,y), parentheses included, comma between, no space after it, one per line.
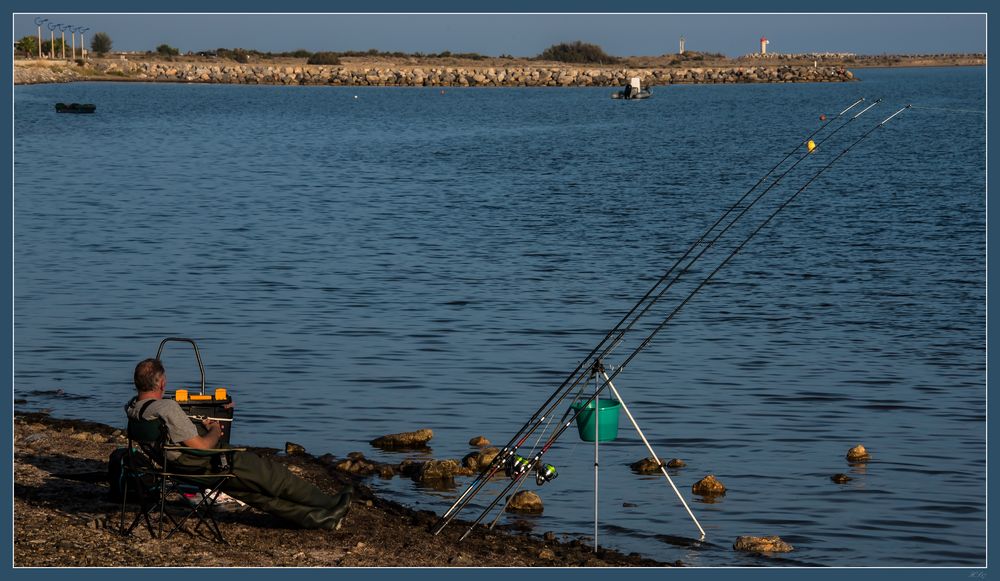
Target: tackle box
(199,406)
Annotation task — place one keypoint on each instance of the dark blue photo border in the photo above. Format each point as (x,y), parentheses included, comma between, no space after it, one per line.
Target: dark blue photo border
(387,6)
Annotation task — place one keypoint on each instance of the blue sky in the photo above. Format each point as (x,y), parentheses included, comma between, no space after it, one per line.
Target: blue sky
(529,34)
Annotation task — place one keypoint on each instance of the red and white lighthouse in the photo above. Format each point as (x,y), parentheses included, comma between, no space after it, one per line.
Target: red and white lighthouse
(763,45)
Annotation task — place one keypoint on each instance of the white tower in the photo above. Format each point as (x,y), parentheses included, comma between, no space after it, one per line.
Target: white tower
(763,45)
(681,51)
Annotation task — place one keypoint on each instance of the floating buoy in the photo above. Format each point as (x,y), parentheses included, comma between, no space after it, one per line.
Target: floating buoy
(355,96)
(822,117)
(442,91)
(811,145)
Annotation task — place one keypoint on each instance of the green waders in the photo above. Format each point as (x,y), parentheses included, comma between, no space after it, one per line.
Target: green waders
(272,488)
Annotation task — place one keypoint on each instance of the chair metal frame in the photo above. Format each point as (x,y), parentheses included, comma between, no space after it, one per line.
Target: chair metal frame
(147,455)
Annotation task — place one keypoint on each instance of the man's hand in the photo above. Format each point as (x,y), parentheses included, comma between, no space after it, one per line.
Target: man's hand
(209,440)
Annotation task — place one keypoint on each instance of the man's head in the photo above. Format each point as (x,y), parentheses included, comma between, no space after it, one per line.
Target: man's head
(149,376)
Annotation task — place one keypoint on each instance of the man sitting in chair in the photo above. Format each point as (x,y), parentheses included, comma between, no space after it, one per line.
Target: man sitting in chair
(261,483)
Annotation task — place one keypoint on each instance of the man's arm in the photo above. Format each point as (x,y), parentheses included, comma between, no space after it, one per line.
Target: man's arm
(209,440)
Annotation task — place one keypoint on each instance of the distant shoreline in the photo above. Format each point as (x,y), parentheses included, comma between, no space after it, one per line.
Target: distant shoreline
(457,72)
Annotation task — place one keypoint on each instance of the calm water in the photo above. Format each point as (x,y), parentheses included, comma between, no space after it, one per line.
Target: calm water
(354,262)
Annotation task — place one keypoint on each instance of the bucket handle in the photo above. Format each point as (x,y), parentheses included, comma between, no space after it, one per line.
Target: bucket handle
(197,355)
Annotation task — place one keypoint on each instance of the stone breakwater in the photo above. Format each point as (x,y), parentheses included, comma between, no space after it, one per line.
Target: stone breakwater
(415,76)
(33,75)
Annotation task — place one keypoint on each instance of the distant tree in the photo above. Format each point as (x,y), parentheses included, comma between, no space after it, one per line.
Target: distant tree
(167,50)
(28,45)
(51,48)
(301,53)
(324,58)
(577,52)
(101,43)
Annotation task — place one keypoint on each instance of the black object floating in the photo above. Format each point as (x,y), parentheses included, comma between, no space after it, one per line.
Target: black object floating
(75,108)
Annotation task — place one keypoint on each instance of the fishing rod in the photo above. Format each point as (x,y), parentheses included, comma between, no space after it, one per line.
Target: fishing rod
(701,240)
(733,222)
(507,452)
(617,332)
(525,466)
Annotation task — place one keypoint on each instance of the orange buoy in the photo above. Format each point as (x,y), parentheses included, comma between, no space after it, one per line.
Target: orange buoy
(822,117)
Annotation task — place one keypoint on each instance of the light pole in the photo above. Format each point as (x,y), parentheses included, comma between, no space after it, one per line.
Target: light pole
(52,26)
(83,45)
(62,31)
(38,23)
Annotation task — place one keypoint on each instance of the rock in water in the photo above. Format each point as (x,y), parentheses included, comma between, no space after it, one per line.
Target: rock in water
(409,467)
(645,466)
(840,478)
(676,463)
(858,454)
(417,439)
(708,486)
(762,545)
(479,441)
(481,459)
(438,470)
(525,501)
(293,449)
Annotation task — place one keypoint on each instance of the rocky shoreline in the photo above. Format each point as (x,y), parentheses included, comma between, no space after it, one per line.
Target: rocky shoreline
(64,518)
(543,75)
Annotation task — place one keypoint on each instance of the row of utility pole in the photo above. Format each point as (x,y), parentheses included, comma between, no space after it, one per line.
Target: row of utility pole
(52,26)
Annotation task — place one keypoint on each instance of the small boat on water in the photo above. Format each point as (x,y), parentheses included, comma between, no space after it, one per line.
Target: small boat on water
(633,90)
(75,108)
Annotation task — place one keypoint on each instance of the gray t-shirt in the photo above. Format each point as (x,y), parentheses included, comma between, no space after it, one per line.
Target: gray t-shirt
(179,425)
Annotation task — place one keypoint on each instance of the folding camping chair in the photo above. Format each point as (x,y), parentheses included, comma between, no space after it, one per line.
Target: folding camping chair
(150,475)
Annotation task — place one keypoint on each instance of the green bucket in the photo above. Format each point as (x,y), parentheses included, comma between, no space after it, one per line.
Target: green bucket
(606,424)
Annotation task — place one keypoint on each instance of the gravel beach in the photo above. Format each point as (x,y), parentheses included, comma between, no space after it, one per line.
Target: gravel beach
(63,517)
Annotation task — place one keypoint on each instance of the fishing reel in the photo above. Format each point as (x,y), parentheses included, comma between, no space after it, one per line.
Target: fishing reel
(516,466)
(545,473)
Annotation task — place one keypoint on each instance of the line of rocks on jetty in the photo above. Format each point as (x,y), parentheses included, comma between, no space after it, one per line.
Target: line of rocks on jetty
(518,76)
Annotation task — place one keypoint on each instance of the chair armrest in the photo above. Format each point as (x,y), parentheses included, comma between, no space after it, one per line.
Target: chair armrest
(203,451)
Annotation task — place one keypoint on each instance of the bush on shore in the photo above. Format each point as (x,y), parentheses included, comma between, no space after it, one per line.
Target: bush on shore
(166,50)
(577,52)
(324,58)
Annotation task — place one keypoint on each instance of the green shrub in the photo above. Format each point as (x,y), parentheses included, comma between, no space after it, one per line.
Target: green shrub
(101,43)
(324,58)
(577,52)
(28,45)
(167,50)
